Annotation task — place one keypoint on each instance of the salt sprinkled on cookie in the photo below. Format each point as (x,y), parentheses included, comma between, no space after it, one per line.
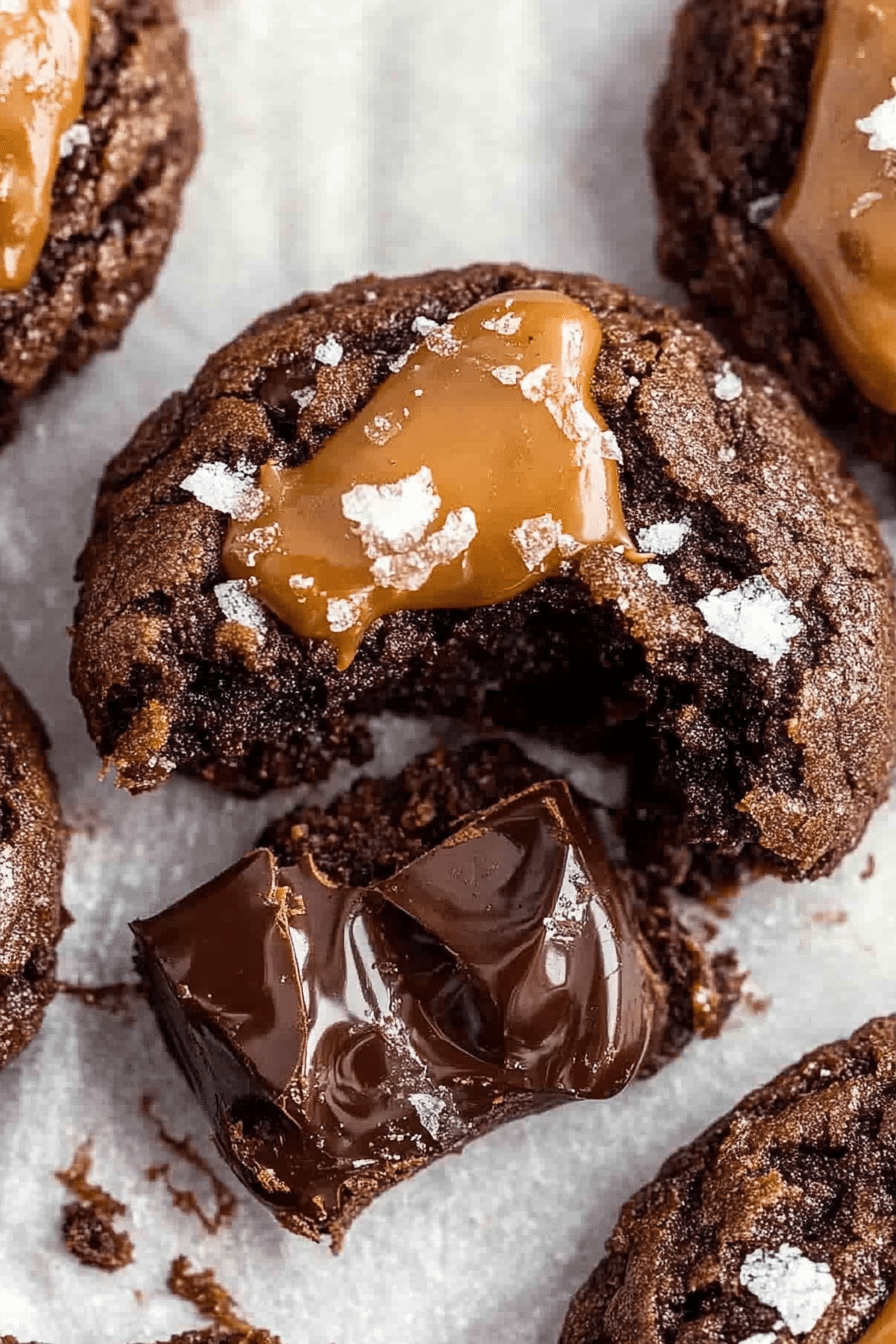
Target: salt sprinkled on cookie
(728,387)
(799,1289)
(657,573)
(76,137)
(664,538)
(392,517)
(329,352)
(754,616)
(228,491)
(238,605)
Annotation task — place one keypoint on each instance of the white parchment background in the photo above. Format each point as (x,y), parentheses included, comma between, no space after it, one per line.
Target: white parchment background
(345,136)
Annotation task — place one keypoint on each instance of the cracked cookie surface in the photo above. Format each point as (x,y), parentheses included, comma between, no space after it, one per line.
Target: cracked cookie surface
(746,675)
(777,1223)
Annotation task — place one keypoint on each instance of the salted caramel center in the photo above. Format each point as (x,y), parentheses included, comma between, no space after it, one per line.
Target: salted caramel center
(43,61)
(837,224)
(477,469)
(883,1329)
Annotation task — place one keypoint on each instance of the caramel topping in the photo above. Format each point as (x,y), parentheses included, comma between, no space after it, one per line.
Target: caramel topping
(883,1329)
(837,225)
(43,61)
(473,472)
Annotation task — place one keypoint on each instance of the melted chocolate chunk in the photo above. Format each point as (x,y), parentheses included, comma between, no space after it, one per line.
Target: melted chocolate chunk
(340,1038)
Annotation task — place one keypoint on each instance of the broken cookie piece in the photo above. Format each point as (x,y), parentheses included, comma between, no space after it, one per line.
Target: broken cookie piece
(342,1037)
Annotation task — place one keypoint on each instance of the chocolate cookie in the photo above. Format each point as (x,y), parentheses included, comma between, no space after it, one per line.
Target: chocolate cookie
(431,957)
(777,1223)
(729,127)
(211,1334)
(746,671)
(32,853)
(115,197)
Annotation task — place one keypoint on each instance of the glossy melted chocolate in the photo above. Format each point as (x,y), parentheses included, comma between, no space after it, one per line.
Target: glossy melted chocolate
(478,468)
(43,60)
(340,1038)
(837,224)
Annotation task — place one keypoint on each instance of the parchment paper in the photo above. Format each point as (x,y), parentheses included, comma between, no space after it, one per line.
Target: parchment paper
(344,136)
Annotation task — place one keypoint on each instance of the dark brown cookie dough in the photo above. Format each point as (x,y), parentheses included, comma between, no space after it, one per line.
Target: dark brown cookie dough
(32,853)
(116,201)
(792,1192)
(724,141)
(380,825)
(772,759)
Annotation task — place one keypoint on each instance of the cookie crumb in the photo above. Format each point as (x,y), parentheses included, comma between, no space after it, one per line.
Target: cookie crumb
(829,917)
(869,869)
(186,1200)
(87,1228)
(208,1297)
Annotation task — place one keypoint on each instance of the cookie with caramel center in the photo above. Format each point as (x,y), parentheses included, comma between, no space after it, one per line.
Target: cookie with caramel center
(740,660)
(731,130)
(114,205)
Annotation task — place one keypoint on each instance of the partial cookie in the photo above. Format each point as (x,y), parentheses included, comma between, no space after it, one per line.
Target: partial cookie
(433,956)
(748,671)
(778,1223)
(774,278)
(32,854)
(115,197)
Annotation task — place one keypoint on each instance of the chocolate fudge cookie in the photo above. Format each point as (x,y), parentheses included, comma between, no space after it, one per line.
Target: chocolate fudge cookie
(777,1223)
(32,853)
(775,168)
(82,248)
(709,597)
(431,957)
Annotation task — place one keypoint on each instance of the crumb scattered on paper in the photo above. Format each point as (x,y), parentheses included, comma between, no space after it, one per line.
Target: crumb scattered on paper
(186,1200)
(87,1222)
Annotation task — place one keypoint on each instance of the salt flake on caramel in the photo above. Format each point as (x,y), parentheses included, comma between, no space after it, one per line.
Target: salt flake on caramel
(477,469)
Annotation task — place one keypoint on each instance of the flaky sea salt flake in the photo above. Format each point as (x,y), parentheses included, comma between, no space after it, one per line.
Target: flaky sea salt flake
(754,616)
(381,429)
(506,325)
(798,1288)
(343,613)
(392,517)
(329,352)
(423,325)
(864,203)
(443,341)
(880,125)
(728,387)
(664,538)
(657,573)
(760,211)
(508,374)
(237,604)
(226,489)
(76,137)
(407,571)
